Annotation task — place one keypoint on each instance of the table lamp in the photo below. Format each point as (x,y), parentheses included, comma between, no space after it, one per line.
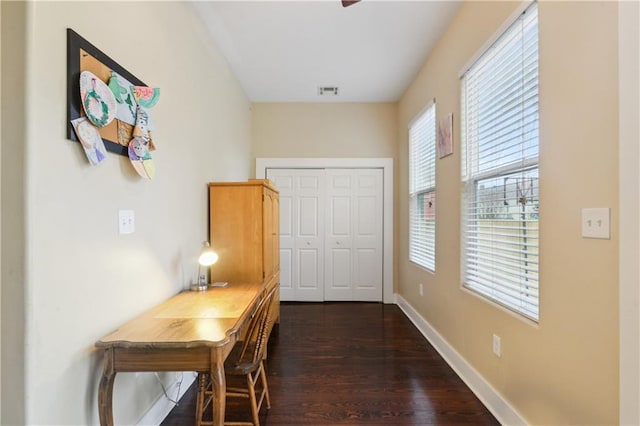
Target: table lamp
(207,258)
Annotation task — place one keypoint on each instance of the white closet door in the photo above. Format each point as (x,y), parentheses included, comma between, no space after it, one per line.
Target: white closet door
(301,233)
(285,186)
(353,259)
(339,235)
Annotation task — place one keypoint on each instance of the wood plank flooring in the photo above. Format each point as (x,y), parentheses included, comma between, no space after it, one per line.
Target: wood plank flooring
(353,364)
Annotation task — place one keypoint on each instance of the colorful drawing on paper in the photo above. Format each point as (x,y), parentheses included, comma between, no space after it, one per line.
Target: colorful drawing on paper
(120,87)
(445,136)
(90,140)
(146,97)
(98,101)
(141,157)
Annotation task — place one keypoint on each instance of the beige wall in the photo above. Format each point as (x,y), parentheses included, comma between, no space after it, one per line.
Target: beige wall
(13,107)
(0,210)
(324,130)
(563,370)
(83,278)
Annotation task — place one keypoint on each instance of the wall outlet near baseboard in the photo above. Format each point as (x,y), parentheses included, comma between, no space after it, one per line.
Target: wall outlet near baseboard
(421,289)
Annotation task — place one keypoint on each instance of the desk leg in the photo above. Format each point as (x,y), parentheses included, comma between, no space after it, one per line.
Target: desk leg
(105,392)
(219,386)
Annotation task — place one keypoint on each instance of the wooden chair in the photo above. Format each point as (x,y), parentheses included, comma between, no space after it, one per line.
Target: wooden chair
(245,359)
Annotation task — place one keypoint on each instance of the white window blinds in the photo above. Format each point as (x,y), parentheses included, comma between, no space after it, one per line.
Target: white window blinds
(422,188)
(499,132)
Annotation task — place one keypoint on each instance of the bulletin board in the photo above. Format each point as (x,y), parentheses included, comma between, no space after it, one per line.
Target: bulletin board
(83,56)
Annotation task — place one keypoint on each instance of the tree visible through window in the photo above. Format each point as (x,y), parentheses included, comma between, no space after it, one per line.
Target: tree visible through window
(499,133)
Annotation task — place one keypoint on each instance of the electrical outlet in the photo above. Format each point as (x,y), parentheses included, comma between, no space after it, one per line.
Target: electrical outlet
(126,221)
(420,289)
(497,346)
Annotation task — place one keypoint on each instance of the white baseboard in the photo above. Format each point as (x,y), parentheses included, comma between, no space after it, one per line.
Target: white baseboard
(162,407)
(494,402)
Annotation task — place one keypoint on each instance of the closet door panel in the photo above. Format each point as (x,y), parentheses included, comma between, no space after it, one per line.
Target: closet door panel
(309,241)
(353,269)
(339,235)
(367,238)
(301,233)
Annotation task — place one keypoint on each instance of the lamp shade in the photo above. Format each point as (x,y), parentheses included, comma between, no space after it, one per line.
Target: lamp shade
(207,256)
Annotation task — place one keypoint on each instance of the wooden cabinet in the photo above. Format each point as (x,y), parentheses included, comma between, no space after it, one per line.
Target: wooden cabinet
(244,231)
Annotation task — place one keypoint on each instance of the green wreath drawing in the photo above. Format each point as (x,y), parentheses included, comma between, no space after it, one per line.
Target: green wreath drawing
(98,121)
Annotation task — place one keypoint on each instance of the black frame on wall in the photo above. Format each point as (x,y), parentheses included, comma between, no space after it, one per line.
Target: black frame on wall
(74,105)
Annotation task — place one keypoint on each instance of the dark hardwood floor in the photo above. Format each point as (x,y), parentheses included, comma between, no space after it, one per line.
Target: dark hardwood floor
(353,364)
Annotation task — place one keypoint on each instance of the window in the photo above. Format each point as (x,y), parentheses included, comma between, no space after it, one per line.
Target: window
(422,188)
(499,132)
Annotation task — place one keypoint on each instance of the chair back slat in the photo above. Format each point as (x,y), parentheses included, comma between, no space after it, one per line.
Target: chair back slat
(256,336)
(262,336)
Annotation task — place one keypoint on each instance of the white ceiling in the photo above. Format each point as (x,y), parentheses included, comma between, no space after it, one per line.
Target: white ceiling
(282,51)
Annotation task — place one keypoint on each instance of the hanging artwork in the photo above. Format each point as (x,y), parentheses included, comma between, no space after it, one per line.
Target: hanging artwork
(445,136)
(115,103)
(90,140)
(98,102)
(141,158)
(141,144)
(121,89)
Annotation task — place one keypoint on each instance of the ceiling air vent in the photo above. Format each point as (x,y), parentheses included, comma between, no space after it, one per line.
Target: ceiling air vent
(327,91)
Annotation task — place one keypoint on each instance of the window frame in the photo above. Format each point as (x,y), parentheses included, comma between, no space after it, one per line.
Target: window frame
(423,191)
(472,177)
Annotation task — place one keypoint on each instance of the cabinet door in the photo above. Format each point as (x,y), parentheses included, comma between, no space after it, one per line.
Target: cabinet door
(275,233)
(268,235)
(286,225)
(236,232)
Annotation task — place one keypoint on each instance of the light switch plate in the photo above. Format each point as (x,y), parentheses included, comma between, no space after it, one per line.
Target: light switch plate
(126,221)
(596,223)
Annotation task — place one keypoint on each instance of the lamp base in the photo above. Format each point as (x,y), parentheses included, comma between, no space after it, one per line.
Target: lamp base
(198,287)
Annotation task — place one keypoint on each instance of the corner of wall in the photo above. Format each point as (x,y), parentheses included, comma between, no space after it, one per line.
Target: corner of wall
(0,209)
(629,157)
(12,228)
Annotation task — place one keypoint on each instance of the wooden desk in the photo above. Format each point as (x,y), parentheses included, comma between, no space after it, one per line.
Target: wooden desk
(192,331)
